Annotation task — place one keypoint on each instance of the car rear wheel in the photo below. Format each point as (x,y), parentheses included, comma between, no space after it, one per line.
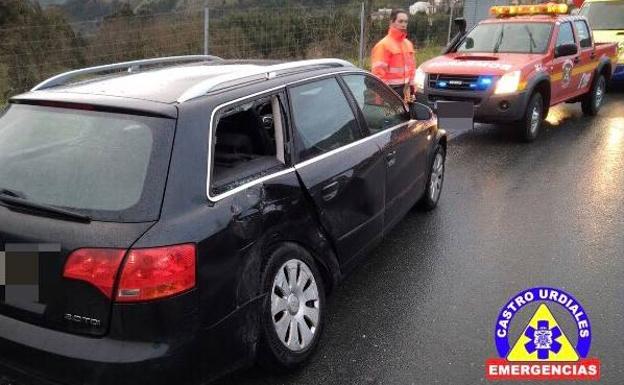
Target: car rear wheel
(531,124)
(430,199)
(293,310)
(592,101)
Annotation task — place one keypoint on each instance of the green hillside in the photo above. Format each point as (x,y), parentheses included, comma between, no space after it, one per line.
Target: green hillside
(95,9)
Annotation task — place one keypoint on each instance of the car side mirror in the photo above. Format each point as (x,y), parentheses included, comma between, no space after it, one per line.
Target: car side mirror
(419,111)
(566,50)
(460,23)
(469,43)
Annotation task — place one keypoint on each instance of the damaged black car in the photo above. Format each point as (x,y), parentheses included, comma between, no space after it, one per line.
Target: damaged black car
(168,220)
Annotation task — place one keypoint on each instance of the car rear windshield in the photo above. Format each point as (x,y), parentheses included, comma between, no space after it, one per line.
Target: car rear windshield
(109,166)
(604,14)
(507,37)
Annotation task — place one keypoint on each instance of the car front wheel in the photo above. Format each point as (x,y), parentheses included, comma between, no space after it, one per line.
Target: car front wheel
(435,180)
(293,310)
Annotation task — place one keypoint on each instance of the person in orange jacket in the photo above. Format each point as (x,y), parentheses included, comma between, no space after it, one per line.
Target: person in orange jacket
(393,56)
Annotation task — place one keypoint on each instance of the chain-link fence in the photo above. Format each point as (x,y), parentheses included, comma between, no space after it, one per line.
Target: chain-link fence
(47,45)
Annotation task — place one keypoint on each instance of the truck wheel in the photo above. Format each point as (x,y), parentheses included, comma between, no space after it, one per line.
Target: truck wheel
(531,124)
(293,310)
(592,101)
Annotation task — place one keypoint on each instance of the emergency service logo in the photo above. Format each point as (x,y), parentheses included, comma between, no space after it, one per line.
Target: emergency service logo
(566,77)
(543,351)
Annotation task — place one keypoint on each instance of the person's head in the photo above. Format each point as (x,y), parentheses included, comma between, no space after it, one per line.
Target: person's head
(398,19)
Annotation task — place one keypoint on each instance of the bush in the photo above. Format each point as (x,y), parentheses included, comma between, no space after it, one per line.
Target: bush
(35,45)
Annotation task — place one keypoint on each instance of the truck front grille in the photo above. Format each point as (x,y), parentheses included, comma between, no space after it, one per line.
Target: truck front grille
(460,82)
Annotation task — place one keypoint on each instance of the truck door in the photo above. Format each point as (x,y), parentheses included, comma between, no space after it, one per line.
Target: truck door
(585,71)
(563,64)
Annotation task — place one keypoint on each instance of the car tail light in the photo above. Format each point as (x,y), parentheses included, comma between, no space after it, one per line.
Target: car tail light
(96,266)
(159,272)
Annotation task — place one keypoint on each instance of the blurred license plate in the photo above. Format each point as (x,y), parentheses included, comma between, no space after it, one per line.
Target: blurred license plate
(455,115)
(20,274)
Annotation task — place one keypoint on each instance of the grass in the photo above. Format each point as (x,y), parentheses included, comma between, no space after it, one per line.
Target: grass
(425,53)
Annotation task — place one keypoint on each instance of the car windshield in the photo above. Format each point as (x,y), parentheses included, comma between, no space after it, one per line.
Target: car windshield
(604,14)
(507,37)
(109,166)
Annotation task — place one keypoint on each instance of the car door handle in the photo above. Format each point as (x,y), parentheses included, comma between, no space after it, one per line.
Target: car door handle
(330,191)
(592,55)
(577,60)
(390,158)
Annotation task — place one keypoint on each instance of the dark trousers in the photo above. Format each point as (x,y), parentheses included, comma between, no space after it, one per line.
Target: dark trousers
(398,90)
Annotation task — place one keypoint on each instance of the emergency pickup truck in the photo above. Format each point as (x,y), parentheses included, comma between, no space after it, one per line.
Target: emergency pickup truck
(514,66)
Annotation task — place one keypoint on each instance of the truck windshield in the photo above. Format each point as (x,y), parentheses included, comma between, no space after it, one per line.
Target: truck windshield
(108,166)
(604,14)
(507,37)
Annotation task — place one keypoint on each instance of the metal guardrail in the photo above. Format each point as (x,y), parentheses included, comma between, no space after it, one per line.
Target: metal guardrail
(267,72)
(130,66)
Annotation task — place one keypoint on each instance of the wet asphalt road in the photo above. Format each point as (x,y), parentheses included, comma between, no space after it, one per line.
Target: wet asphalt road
(422,309)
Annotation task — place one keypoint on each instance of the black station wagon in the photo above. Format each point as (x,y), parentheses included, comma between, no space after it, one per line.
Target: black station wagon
(163,221)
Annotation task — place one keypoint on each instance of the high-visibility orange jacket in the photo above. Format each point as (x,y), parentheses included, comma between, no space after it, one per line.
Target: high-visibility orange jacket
(393,58)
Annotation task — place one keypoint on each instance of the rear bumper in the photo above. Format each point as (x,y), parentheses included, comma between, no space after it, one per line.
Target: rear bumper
(173,347)
(488,108)
(33,355)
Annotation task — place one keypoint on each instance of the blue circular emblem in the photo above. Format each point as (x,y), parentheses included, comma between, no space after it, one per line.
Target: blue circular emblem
(542,294)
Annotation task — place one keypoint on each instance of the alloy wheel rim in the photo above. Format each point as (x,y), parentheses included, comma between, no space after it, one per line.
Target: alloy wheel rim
(295,305)
(535,118)
(437,176)
(599,92)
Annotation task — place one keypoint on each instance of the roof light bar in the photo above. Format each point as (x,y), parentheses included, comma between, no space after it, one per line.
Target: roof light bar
(537,9)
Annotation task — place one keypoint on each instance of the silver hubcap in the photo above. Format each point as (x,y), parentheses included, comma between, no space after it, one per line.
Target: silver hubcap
(295,305)
(600,92)
(535,118)
(437,176)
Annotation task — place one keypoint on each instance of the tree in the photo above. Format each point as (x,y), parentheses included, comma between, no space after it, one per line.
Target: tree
(35,44)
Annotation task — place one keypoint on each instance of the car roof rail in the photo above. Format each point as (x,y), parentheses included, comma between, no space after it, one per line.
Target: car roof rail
(256,74)
(130,66)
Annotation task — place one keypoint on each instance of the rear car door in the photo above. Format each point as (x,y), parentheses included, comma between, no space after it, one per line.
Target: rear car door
(563,66)
(585,71)
(403,141)
(343,172)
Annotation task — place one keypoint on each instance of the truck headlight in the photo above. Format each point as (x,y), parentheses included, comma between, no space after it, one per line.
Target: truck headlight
(419,79)
(508,83)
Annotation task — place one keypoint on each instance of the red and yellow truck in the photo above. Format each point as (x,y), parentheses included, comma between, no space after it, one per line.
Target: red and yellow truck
(514,66)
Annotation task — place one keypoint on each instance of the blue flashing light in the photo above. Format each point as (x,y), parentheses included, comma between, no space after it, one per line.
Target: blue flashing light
(484,82)
(442,84)
(473,85)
